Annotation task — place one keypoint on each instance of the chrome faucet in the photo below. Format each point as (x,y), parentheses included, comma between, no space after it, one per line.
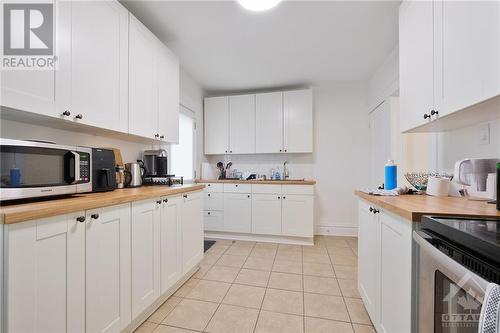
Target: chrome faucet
(286,173)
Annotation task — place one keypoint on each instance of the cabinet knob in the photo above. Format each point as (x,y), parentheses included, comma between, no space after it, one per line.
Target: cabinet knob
(66,113)
(94,216)
(208,194)
(208,213)
(162,136)
(248,196)
(236,185)
(185,196)
(375,211)
(284,197)
(427,116)
(158,202)
(281,150)
(79,116)
(165,200)
(231,151)
(80,219)
(279,197)
(434,112)
(371,209)
(286,150)
(157,136)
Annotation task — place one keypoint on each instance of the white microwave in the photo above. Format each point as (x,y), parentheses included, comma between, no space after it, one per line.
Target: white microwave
(31,169)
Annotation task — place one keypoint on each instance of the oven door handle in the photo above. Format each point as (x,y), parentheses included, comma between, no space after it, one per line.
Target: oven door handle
(465,277)
(77,166)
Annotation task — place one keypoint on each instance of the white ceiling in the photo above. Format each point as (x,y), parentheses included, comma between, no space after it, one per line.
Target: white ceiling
(226,48)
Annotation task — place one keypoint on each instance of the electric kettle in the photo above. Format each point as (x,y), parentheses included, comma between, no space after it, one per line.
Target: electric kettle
(134,173)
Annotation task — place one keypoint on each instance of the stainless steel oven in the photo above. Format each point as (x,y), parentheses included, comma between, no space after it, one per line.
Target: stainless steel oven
(35,169)
(455,263)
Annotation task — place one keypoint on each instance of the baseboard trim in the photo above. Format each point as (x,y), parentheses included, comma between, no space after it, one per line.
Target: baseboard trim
(260,238)
(336,231)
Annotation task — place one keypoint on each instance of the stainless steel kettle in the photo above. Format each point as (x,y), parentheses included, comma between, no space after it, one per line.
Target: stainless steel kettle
(134,173)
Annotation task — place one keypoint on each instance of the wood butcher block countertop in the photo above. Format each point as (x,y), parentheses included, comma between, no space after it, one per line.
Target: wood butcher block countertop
(413,207)
(13,213)
(255,181)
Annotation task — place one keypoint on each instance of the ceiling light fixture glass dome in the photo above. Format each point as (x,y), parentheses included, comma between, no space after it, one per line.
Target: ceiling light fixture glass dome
(258,5)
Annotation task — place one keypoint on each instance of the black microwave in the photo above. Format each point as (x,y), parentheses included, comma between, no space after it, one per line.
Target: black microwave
(31,169)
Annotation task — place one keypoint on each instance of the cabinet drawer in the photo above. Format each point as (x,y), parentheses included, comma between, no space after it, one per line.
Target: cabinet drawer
(213,220)
(298,189)
(213,201)
(214,187)
(266,189)
(237,188)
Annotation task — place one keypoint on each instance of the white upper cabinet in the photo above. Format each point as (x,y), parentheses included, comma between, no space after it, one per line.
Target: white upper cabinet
(108,269)
(143,92)
(469,46)
(278,122)
(449,60)
(216,125)
(168,95)
(98,68)
(298,121)
(416,59)
(269,122)
(242,124)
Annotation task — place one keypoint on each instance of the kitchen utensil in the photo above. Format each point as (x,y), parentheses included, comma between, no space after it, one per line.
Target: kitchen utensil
(419,179)
(120,176)
(438,186)
(134,173)
(222,171)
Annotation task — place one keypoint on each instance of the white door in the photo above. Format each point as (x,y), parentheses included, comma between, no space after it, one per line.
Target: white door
(213,220)
(468,53)
(237,212)
(416,62)
(269,122)
(242,124)
(99,66)
(168,95)
(35,90)
(145,254)
(192,230)
(368,259)
(170,243)
(266,214)
(297,121)
(380,142)
(297,215)
(395,274)
(217,125)
(108,269)
(143,89)
(45,279)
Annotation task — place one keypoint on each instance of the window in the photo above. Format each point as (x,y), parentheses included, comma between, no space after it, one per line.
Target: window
(182,154)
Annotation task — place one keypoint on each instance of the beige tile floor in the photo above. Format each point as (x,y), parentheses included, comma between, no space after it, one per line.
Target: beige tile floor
(247,287)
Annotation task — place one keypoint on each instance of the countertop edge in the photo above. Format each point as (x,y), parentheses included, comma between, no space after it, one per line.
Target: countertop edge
(257,182)
(86,201)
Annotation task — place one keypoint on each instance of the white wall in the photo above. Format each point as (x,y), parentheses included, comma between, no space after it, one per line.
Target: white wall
(385,81)
(339,161)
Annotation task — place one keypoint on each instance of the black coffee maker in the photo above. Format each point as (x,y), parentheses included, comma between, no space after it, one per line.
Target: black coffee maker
(103,170)
(156,163)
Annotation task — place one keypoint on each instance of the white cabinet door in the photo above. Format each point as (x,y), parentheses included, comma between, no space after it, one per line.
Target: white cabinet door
(416,62)
(145,255)
(216,125)
(99,66)
(192,230)
(35,90)
(108,269)
(45,279)
(168,95)
(468,53)
(143,92)
(297,121)
(269,122)
(242,124)
(237,212)
(368,259)
(171,246)
(395,273)
(213,220)
(297,215)
(213,201)
(266,214)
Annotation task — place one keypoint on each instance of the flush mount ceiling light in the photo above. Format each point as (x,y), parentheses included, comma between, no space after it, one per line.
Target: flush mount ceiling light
(258,5)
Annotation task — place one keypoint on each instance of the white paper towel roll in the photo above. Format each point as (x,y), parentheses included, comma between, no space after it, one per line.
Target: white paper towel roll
(438,186)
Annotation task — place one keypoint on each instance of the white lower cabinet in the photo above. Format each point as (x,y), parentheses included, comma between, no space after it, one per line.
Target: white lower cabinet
(384,268)
(145,254)
(297,215)
(237,212)
(107,271)
(192,230)
(266,214)
(45,275)
(170,242)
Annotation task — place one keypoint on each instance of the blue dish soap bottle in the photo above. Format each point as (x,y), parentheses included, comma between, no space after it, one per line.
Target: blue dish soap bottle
(391,175)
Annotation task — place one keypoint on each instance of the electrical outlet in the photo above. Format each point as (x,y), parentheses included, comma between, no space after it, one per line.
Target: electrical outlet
(484,134)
